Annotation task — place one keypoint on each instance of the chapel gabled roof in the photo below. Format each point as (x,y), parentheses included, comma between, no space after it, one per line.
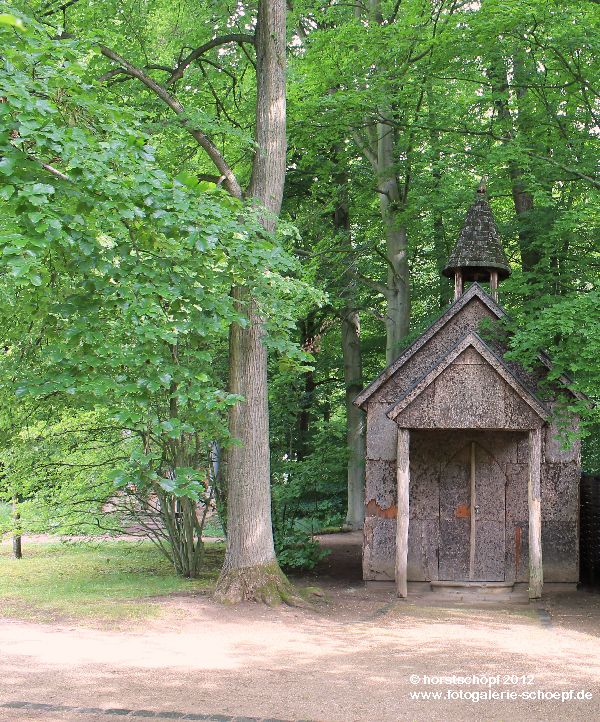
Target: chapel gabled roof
(471,340)
(478,247)
(475,290)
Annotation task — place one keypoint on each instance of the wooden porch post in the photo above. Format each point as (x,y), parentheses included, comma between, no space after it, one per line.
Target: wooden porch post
(403,477)
(536,572)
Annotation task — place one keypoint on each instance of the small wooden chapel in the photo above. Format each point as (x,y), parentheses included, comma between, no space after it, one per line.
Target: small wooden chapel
(466,480)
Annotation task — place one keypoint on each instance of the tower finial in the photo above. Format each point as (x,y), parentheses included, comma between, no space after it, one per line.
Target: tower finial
(483,185)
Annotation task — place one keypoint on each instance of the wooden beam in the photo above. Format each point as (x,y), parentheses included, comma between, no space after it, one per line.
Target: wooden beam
(403,477)
(473,510)
(494,285)
(536,572)
(458,284)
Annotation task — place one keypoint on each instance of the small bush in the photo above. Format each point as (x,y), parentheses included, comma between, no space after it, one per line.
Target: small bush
(298,550)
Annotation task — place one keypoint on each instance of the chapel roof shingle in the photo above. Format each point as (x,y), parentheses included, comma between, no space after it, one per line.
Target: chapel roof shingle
(478,246)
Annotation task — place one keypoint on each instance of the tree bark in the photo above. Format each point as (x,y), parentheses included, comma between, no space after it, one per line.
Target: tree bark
(351,353)
(392,199)
(308,330)
(250,570)
(355,430)
(522,199)
(397,319)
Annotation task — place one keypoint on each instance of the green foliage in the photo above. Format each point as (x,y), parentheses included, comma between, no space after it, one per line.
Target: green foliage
(116,278)
(10,20)
(59,470)
(309,496)
(562,326)
(213,527)
(6,521)
(297,550)
(492,89)
(591,451)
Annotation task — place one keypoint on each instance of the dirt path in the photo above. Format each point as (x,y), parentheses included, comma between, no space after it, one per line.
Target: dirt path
(360,657)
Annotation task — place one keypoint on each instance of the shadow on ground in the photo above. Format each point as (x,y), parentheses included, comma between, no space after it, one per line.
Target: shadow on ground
(362,656)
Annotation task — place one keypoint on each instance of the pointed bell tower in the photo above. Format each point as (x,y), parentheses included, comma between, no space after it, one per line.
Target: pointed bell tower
(478,254)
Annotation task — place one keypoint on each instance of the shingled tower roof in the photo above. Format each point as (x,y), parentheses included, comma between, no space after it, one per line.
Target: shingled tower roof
(478,250)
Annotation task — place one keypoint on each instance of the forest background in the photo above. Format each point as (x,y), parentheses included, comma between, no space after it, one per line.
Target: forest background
(122,237)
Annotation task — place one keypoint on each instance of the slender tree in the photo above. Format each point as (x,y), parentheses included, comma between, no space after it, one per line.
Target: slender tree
(352,359)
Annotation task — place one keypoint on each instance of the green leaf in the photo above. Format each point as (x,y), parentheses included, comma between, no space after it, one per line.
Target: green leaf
(7,164)
(11,21)
(168,485)
(187,179)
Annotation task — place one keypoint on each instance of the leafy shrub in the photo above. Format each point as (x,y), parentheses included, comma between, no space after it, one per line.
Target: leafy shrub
(309,496)
(298,550)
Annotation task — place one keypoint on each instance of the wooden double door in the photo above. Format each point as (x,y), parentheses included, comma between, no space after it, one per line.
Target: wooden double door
(472,498)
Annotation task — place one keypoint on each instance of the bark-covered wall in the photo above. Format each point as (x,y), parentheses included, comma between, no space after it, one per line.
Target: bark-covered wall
(431,452)
(491,403)
(469,393)
(466,320)
(561,473)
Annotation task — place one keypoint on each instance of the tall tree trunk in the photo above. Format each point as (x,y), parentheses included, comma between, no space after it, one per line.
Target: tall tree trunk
(250,570)
(351,353)
(355,430)
(522,198)
(306,404)
(308,330)
(391,202)
(439,233)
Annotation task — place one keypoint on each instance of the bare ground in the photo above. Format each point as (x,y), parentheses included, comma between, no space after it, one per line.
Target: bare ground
(359,656)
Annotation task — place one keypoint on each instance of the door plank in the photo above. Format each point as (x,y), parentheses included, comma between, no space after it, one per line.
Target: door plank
(455,518)
(472,517)
(490,513)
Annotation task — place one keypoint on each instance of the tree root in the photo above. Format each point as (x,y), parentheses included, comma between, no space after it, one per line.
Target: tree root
(265,583)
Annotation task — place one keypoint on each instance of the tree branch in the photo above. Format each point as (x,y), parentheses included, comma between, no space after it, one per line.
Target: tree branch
(394,13)
(375,285)
(567,169)
(64,6)
(51,169)
(231,182)
(364,148)
(238,38)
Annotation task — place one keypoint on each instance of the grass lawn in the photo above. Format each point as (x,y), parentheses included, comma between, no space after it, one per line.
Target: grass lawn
(104,581)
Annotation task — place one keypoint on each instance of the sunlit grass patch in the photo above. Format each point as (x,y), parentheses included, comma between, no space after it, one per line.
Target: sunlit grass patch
(104,581)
